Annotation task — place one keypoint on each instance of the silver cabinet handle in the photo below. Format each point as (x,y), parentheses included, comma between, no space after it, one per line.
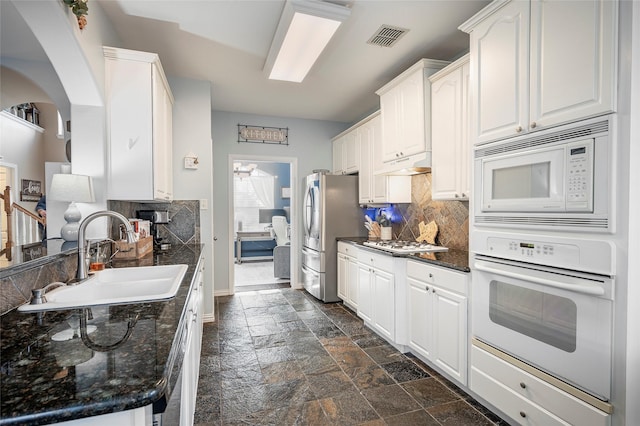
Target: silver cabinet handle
(533,125)
(523,385)
(457,196)
(523,414)
(519,129)
(433,290)
(430,275)
(426,288)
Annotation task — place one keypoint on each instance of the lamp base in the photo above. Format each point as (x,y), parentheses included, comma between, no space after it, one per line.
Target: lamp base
(69,231)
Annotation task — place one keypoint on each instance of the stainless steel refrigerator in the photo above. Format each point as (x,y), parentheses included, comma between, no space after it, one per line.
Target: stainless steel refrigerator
(330,211)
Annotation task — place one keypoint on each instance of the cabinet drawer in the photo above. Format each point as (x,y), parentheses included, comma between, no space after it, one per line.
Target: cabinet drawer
(444,278)
(376,260)
(528,390)
(347,249)
(512,404)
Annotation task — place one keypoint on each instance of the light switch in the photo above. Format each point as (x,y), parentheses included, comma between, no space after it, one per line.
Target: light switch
(191,162)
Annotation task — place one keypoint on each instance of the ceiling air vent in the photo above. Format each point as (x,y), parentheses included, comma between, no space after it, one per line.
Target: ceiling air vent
(387,36)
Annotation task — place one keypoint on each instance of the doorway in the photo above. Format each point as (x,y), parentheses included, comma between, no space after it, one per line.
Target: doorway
(261,222)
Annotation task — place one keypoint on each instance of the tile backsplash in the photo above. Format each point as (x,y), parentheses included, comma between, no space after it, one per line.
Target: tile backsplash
(184,215)
(452,217)
(184,228)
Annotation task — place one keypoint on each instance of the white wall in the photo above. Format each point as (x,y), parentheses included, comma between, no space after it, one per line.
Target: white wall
(192,135)
(309,143)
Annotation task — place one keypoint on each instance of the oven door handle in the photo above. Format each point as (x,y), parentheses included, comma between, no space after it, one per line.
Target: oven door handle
(565,283)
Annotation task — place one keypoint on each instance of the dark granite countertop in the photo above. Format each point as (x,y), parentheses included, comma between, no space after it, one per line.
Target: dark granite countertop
(132,359)
(452,259)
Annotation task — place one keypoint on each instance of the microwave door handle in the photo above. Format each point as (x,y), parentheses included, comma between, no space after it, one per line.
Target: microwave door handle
(557,283)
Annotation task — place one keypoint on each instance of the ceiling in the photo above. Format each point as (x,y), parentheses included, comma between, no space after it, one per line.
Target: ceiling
(226,42)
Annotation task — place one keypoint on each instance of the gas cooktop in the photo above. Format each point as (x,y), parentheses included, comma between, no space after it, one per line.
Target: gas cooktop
(406,247)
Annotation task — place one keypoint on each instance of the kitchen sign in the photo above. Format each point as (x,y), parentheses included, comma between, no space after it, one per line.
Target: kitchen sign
(260,134)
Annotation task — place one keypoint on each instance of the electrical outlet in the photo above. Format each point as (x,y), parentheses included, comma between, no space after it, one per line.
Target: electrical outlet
(204,204)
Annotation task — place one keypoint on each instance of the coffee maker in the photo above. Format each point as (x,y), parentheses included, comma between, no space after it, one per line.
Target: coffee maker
(156,217)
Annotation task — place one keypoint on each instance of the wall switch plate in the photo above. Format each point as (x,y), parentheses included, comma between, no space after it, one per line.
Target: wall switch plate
(191,163)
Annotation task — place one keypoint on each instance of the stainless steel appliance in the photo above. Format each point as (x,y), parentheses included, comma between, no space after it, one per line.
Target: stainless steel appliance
(403,247)
(557,179)
(547,301)
(330,210)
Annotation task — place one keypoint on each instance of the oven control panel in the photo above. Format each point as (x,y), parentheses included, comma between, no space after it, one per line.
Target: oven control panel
(533,251)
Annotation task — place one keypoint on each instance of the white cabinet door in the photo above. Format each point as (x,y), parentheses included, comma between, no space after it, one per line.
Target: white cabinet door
(342,276)
(352,282)
(379,183)
(572,60)
(412,115)
(351,152)
(390,107)
(162,146)
(338,162)
(500,52)
(384,303)
(449,132)
(365,293)
(450,332)
(403,117)
(365,176)
(139,120)
(420,326)
(446,134)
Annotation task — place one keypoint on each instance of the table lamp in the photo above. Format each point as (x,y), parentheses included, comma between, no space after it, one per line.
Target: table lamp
(75,189)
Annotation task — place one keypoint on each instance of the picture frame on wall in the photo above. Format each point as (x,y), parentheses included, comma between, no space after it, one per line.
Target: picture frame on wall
(30,190)
(286,192)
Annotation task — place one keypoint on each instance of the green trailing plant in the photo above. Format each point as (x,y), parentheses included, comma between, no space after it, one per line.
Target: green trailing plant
(80,8)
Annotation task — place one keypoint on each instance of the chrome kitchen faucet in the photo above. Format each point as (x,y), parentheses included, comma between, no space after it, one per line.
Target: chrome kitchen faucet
(82,266)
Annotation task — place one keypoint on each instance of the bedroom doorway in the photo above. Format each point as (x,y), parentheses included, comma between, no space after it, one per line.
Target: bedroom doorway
(261,200)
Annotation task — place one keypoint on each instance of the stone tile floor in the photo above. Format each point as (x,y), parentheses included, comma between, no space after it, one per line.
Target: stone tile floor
(280,357)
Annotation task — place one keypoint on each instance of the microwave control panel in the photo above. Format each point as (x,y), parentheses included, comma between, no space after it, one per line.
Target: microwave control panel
(533,251)
(579,176)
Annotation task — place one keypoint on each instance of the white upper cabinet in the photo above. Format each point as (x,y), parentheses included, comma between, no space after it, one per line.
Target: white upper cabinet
(378,188)
(139,122)
(405,109)
(346,153)
(450,143)
(541,63)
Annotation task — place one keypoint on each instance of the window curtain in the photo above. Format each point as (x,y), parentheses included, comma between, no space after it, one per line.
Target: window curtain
(263,186)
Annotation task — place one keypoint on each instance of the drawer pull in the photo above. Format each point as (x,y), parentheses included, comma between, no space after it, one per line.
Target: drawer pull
(430,275)
(427,288)
(523,385)
(523,414)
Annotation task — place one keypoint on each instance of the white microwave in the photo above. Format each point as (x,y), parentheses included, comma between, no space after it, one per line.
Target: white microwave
(556,179)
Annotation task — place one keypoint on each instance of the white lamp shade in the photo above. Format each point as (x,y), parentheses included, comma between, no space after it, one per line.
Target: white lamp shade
(72,188)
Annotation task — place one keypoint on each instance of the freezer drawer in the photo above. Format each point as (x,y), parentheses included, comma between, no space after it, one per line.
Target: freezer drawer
(313,282)
(313,259)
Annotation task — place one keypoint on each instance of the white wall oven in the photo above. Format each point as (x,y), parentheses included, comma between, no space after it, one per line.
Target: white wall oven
(556,179)
(556,319)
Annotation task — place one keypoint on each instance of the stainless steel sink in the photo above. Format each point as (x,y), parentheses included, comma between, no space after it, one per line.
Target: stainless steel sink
(115,286)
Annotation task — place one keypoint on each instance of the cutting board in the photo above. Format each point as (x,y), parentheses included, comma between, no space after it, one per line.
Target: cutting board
(428,232)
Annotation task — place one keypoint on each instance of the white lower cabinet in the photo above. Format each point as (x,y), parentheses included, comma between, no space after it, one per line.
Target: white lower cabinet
(348,274)
(376,285)
(437,302)
(526,399)
(191,363)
